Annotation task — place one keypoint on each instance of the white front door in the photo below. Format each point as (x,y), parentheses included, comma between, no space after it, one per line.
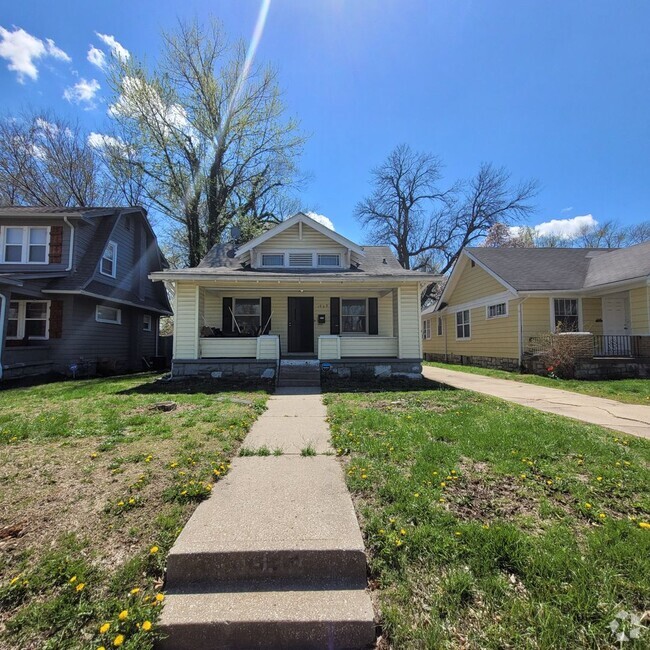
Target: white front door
(615,325)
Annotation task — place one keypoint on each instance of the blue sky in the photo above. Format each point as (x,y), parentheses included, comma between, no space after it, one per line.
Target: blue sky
(558,91)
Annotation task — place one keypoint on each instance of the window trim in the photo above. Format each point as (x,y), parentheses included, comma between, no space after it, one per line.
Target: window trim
(147,323)
(113,245)
(496,304)
(426,329)
(440,326)
(469,322)
(105,320)
(25,244)
(273,266)
(552,300)
(328,266)
(22,321)
(366,315)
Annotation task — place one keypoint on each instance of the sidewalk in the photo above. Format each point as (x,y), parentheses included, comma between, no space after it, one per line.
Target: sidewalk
(627,418)
(275,557)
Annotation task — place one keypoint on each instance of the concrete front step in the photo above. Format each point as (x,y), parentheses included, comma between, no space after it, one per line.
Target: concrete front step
(295,383)
(306,531)
(268,619)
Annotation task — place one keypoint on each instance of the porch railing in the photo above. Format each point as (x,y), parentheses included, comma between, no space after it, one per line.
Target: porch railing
(615,345)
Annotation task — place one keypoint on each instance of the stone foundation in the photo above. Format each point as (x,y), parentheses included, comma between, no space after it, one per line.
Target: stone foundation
(225,368)
(496,363)
(370,369)
(596,368)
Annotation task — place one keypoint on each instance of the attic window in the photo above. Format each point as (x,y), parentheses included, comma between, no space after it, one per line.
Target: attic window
(300,259)
(273,259)
(329,259)
(108,265)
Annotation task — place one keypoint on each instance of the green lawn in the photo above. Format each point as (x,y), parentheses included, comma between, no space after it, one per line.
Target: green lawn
(632,391)
(494,526)
(95,485)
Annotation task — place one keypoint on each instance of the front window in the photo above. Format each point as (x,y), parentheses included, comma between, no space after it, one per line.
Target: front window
(28,319)
(498,310)
(327,259)
(105,314)
(109,260)
(426,329)
(462,324)
(248,316)
(565,312)
(25,245)
(354,316)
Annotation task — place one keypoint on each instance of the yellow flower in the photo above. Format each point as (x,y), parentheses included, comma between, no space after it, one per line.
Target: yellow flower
(160,597)
(600,478)
(73,579)
(153,550)
(123,615)
(135,590)
(458,533)
(588,505)
(120,503)
(644,524)
(402,531)
(14,580)
(101,647)
(104,628)
(602,515)
(398,542)
(146,626)
(80,586)
(364,476)
(522,476)
(118,640)
(416,495)
(443,484)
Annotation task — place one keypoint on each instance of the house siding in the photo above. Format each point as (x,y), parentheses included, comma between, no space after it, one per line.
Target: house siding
(640,311)
(474,283)
(592,315)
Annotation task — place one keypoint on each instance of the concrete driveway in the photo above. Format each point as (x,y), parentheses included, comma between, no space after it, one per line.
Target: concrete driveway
(628,418)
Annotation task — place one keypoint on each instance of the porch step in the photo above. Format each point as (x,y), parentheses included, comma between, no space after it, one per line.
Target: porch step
(299,373)
(268,619)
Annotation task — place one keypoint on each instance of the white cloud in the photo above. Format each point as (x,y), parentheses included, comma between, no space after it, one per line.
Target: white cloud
(321,219)
(83,92)
(22,50)
(565,228)
(96,57)
(101,140)
(117,49)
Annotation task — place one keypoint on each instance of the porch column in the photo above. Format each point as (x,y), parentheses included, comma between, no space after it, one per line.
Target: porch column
(186,321)
(406,315)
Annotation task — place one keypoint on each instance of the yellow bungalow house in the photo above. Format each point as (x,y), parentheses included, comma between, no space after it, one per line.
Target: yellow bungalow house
(300,292)
(499,302)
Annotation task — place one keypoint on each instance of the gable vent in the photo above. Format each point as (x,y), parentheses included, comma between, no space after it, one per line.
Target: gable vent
(300,259)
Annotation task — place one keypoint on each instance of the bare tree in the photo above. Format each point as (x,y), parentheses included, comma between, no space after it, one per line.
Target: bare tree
(501,236)
(46,160)
(209,134)
(427,226)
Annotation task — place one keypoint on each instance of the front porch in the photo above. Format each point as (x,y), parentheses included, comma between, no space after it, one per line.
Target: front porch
(242,331)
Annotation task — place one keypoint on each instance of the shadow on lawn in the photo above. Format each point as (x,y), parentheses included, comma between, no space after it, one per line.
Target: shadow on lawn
(193,386)
(384,386)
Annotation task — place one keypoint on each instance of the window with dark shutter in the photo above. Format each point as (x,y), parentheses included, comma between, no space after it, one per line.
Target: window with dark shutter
(56,244)
(335,315)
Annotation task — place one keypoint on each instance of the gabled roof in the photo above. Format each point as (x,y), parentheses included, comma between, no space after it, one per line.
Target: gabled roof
(299,217)
(41,211)
(619,265)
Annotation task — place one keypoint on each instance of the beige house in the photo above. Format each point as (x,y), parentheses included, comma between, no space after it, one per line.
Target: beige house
(300,291)
(499,302)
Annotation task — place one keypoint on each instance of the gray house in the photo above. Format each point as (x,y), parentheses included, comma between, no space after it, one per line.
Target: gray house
(74,292)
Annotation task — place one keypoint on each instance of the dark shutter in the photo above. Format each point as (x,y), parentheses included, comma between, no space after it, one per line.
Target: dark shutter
(373,316)
(266,315)
(56,244)
(226,323)
(56,319)
(335,315)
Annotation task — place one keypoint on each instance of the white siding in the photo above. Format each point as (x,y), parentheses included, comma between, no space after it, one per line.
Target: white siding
(186,325)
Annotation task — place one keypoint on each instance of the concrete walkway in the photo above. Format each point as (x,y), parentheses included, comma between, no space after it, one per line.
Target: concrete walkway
(628,418)
(274,558)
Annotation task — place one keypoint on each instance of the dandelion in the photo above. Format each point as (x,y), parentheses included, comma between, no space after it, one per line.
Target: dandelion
(135,590)
(153,550)
(120,503)
(522,476)
(602,515)
(73,580)
(644,524)
(441,500)
(118,640)
(599,478)
(364,476)
(443,484)
(14,580)
(94,454)
(549,482)
(80,586)
(146,626)
(588,506)
(123,615)
(457,533)
(416,495)
(104,628)
(398,542)
(381,531)
(160,597)
(402,531)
